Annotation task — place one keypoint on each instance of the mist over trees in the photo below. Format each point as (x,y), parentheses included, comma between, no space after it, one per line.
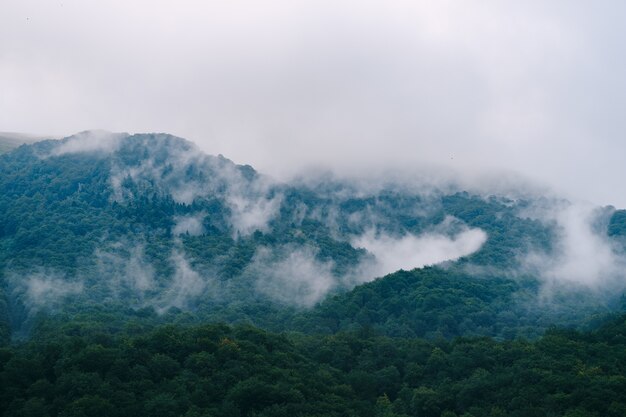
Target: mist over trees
(119,254)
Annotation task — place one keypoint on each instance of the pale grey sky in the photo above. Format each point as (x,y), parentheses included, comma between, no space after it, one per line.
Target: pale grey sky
(535,87)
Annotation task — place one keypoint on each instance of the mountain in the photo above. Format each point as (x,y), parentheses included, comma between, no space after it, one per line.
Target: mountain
(122,256)
(150,225)
(11,140)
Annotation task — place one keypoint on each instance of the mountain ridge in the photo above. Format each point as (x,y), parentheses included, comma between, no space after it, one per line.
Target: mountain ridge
(148,220)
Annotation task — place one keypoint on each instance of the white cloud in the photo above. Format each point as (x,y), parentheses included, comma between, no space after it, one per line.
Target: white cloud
(530,86)
(292,275)
(122,266)
(178,168)
(251,215)
(46,290)
(191,224)
(409,251)
(583,255)
(91,141)
(185,287)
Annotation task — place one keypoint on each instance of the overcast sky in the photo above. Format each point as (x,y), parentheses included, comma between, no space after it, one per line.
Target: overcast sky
(534,87)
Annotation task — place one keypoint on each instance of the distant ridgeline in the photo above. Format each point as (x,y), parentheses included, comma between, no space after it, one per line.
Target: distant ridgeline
(9,140)
(148,226)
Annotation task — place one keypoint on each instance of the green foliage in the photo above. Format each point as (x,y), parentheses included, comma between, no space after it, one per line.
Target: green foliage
(63,216)
(445,302)
(98,335)
(617,224)
(206,370)
(219,370)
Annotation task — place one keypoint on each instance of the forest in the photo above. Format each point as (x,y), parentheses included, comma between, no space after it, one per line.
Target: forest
(143,277)
(82,369)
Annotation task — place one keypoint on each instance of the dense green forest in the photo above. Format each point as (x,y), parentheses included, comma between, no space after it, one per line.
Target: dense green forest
(78,369)
(148,221)
(141,276)
(434,302)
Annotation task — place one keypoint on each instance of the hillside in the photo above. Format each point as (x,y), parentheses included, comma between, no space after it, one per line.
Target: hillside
(10,140)
(149,222)
(217,370)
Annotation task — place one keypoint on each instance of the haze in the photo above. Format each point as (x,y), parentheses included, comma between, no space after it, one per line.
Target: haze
(474,87)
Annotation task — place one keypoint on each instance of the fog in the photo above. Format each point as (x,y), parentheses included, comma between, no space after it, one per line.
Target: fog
(186,284)
(410,251)
(43,289)
(474,87)
(178,168)
(89,141)
(368,212)
(122,273)
(191,225)
(583,256)
(125,268)
(295,275)
(292,275)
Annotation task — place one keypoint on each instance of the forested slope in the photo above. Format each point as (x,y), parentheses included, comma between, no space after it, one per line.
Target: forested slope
(151,223)
(121,257)
(438,302)
(217,370)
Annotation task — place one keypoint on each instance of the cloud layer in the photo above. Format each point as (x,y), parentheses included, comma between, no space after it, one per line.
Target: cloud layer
(583,255)
(409,251)
(295,275)
(530,87)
